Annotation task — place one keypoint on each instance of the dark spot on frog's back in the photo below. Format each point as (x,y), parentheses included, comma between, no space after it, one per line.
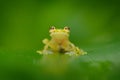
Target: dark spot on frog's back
(62,51)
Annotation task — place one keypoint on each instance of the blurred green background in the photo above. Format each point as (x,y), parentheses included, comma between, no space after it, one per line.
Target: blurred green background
(95,27)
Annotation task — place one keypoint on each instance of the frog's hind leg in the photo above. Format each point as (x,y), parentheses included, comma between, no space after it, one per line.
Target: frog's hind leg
(80,51)
(75,50)
(46,42)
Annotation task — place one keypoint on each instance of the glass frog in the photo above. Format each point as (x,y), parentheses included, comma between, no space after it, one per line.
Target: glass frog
(60,43)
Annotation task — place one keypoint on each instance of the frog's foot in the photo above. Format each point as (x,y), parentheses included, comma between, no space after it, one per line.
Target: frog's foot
(76,53)
(81,52)
(45,52)
(71,53)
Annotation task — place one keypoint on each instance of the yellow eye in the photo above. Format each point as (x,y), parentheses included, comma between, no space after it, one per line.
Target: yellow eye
(52,29)
(66,28)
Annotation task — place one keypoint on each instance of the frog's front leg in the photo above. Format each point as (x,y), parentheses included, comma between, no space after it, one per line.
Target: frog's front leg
(46,47)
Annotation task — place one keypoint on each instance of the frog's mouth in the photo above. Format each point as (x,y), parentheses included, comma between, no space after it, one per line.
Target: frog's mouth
(59,35)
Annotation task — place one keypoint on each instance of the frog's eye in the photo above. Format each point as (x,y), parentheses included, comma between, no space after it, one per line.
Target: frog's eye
(52,29)
(67,29)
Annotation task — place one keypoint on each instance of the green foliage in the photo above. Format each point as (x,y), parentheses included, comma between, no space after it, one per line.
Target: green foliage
(94,28)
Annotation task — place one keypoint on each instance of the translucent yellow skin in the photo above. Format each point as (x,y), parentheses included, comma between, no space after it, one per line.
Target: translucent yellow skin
(60,43)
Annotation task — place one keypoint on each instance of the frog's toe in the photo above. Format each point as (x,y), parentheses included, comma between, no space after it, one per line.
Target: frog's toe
(70,53)
(46,52)
(82,52)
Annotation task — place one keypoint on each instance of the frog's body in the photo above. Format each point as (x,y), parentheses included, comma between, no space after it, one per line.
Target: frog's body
(60,43)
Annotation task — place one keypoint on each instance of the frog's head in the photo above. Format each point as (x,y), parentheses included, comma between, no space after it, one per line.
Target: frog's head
(59,33)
